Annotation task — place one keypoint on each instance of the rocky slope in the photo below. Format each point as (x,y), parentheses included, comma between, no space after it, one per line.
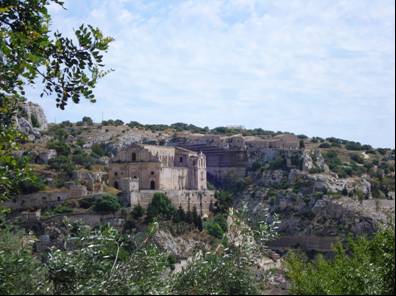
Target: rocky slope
(31,120)
(321,187)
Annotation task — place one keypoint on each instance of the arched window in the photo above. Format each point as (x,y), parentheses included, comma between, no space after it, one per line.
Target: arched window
(152,173)
(133,156)
(59,198)
(152,185)
(180,159)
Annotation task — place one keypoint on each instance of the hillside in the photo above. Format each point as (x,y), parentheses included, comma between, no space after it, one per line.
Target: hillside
(238,160)
(321,190)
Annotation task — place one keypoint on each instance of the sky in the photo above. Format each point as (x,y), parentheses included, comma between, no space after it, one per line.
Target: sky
(316,67)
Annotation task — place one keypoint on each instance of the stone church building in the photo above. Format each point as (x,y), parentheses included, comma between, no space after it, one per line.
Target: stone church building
(139,171)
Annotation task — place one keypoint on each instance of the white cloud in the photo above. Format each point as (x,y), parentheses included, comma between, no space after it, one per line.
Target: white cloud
(317,67)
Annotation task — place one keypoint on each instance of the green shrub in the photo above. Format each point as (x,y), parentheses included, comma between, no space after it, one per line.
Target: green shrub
(66,123)
(118,122)
(87,202)
(214,229)
(80,142)
(34,120)
(80,157)
(224,201)
(62,164)
(135,124)
(87,120)
(354,146)
(196,219)
(62,209)
(160,207)
(31,185)
(60,146)
(227,274)
(279,163)
(256,166)
(366,267)
(179,215)
(137,212)
(21,271)
(357,157)
(222,221)
(324,145)
(108,203)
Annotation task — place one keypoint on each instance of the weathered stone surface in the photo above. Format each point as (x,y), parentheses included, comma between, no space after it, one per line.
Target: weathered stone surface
(313,160)
(35,115)
(45,156)
(181,247)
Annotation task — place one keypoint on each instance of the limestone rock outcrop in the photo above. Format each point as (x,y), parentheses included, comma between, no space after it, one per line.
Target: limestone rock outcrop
(31,120)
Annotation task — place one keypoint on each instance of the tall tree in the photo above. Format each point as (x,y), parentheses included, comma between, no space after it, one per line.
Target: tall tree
(30,54)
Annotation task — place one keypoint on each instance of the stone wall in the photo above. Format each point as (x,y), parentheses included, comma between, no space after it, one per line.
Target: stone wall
(38,200)
(187,199)
(91,219)
(231,156)
(43,199)
(160,168)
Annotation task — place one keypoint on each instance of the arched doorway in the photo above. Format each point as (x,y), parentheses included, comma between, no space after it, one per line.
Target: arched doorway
(116,185)
(152,185)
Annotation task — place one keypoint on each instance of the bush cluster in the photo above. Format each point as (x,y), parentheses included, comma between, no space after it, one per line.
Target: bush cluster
(107,203)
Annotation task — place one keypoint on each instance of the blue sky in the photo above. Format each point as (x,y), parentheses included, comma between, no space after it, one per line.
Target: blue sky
(315,67)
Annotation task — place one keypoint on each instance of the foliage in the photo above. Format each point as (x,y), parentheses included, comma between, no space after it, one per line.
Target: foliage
(111,122)
(31,185)
(136,124)
(20,272)
(353,146)
(68,68)
(28,51)
(34,120)
(87,120)
(60,146)
(228,270)
(214,229)
(99,150)
(137,212)
(223,202)
(279,163)
(225,274)
(62,164)
(357,157)
(324,145)
(82,158)
(160,208)
(196,219)
(179,215)
(99,262)
(87,202)
(366,267)
(13,171)
(108,203)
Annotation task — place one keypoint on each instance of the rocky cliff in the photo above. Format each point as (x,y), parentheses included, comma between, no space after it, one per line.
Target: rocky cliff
(31,120)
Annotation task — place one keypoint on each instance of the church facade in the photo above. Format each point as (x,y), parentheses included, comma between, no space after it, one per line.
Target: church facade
(139,171)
